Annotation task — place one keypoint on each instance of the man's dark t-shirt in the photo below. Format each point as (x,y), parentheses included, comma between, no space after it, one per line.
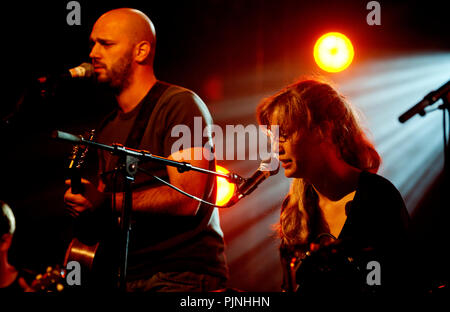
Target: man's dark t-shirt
(160,243)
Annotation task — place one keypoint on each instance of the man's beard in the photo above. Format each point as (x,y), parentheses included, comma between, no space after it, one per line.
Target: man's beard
(120,73)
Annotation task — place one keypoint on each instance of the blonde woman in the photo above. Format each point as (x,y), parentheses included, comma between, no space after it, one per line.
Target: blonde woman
(336,195)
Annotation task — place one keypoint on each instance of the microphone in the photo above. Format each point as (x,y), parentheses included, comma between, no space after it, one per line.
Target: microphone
(65,136)
(429,99)
(264,171)
(85,70)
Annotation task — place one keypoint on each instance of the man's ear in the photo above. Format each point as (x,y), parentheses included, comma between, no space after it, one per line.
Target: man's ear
(5,242)
(142,51)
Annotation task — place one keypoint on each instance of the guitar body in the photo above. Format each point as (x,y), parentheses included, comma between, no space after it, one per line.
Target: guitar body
(82,253)
(97,262)
(334,267)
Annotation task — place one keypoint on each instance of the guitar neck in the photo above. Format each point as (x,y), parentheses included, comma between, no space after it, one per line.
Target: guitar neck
(75,181)
(76,160)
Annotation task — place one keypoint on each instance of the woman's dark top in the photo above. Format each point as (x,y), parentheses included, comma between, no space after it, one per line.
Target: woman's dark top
(375,232)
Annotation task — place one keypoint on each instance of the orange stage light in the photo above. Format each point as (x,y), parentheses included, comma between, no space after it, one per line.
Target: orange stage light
(225,189)
(333,52)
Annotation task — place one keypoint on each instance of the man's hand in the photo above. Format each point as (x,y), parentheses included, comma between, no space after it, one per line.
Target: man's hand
(90,199)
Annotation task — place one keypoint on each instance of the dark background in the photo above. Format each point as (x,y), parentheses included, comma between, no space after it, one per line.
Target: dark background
(201,45)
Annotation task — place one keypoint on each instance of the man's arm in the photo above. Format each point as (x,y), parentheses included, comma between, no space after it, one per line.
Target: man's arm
(166,200)
(162,199)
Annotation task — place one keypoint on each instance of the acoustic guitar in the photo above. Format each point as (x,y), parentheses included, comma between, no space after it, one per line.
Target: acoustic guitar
(81,250)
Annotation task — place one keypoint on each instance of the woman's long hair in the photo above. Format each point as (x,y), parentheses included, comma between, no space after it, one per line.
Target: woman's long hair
(312,105)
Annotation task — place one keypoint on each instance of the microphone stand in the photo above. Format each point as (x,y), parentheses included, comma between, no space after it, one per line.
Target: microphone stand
(9,120)
(131,159)
(441,213)
(442,93)
(33,91)
(446,109)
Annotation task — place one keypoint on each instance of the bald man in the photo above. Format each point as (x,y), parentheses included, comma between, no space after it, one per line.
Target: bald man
(11,279)
(176,244)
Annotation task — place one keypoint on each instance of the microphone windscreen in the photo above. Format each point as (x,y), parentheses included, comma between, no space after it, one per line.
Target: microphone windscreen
(85,70)
(89,70)
(60,135)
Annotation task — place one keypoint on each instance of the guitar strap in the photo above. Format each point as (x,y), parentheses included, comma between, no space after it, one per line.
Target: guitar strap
(137,131)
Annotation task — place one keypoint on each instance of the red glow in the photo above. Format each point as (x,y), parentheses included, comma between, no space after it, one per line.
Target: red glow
(213,88)
(225,189)
(333,52)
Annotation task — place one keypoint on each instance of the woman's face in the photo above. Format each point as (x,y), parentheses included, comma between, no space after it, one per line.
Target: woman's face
(300,154)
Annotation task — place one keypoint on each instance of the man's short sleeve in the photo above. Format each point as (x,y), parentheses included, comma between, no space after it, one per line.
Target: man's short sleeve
(187,117)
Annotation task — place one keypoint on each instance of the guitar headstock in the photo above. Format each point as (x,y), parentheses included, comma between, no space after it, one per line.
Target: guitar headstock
(77,159)
(51,281)
(79,152)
